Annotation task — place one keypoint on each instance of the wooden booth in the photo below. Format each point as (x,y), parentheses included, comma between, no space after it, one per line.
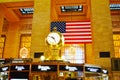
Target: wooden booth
(19,69)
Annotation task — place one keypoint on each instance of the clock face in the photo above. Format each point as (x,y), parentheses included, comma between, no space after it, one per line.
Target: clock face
(53,38)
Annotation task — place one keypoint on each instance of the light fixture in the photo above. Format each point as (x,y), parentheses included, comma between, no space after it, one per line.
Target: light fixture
(42,58)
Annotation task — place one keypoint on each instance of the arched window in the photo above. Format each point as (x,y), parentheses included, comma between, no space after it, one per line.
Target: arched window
(25,42)
(116,38)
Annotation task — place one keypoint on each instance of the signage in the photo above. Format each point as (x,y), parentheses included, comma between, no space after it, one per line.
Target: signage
(3,69)
(20,67)
(44,68)
(71,68)
(92,69)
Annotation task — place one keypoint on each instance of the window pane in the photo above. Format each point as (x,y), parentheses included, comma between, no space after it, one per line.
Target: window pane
(26,42)
(116,38)
(74,53)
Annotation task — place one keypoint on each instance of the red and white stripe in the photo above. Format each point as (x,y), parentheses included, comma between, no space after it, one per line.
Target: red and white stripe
(78,32)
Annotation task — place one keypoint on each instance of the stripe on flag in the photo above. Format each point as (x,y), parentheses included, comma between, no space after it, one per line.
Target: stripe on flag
(75,32)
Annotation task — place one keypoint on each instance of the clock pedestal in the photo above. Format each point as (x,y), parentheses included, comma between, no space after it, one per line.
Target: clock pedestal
(55,55)
(54,52)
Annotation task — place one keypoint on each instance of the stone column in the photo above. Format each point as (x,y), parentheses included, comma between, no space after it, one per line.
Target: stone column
(40,26)
(11,49)
(102,31)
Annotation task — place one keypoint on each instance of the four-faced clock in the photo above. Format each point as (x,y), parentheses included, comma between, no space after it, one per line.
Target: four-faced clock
(53,38)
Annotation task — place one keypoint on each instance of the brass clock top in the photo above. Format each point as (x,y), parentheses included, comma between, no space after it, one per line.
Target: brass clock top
(53,38)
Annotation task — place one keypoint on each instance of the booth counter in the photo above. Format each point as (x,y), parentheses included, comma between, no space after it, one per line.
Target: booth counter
(49,70)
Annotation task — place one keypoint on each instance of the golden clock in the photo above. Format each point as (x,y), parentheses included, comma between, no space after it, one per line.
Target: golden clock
(53,38)
(55,41)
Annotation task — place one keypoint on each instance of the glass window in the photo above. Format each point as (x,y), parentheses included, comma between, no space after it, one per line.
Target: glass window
(74,53)
(116,38)
(114,6)
(26,10)
(78,8)
(25,41)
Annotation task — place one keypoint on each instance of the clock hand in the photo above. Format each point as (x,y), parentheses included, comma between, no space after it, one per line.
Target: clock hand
(52,38)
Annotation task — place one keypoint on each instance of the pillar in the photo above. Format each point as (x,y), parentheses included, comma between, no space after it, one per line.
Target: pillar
(40,26)
(89,54)
(11,49)
(1,21)
(102,31)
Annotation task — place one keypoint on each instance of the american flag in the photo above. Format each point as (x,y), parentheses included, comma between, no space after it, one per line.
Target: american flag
(74,32)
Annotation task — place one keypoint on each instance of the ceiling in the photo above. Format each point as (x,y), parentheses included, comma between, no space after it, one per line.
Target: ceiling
(58,15)
(12,12)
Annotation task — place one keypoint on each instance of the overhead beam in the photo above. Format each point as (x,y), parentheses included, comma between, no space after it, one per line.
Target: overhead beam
(18,5)
(9,14)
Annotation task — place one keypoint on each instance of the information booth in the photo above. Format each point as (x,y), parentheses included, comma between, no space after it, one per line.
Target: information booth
(20,69)
(56,70)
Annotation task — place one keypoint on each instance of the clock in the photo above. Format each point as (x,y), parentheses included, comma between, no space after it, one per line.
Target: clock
(53,38)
